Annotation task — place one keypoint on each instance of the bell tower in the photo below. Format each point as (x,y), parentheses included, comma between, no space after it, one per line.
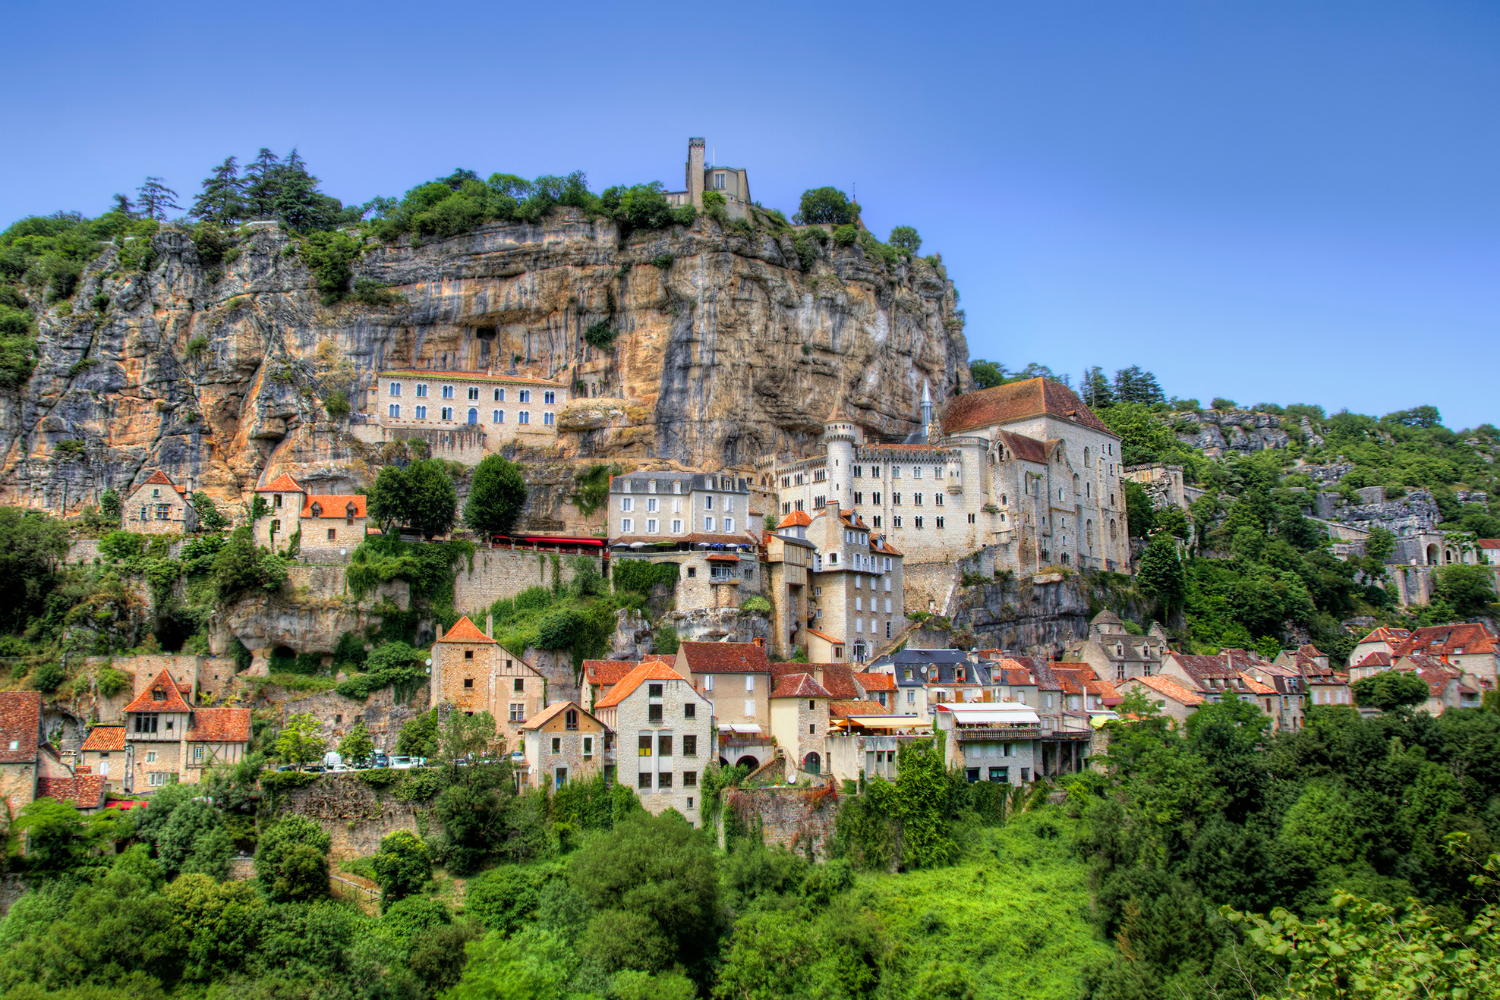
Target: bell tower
(695,172)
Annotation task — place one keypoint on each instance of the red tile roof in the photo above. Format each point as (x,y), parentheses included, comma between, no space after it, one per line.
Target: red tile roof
(1027,449)
(1489,543)
(824,636)
(1254,686)
(844,709)
(796,517)
(725,658)
(282,484)
(640,675)
(465,631)
(463,376)
(1017,401)
(799,686)
(105,739)
(1202,668)
(158,478)
(537,720)
(837,678)
(883,546)
(21,724)
(171,699)
(1375,659)
(220,725)
(606,671)
(1441,640)
(86,790)
(667,658)
(334,505)
(1384,634)
(876,682)
(1170,688)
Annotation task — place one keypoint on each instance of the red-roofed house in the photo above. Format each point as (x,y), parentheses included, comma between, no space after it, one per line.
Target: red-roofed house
(20,738)
(562,743)
(799,720)
(879,686)
(330,525)
(735,677)
(1489,551)
(1467,646)
(85,790)
(158,507)
(1381,640)
(168,740)
(474,673)
(601,675)
(663,732)
(1174,698)
(103,751)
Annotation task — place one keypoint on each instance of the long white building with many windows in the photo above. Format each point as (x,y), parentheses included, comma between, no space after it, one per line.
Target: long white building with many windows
(465,415)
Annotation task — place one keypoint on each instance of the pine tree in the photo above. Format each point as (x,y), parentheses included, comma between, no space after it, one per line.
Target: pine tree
(1132,385)
(1097,392)
(123,206)
(262,184)
(297,204)
(221,200)
(155,198)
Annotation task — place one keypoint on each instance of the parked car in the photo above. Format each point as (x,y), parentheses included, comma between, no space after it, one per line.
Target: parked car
(403,763)
(382,759)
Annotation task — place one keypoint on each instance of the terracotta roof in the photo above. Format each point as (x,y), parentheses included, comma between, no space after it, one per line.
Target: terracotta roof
(640,675)
(1012,676)
(1376,659)
(1308,649)
(1489,543)
(171,700)
(1441,640)
(86,790)
(536,721)
(1106,617)
(465,631)
(158,478)
(844,709)
(281,484)
(1201,668)
(606,671)
(725,658)
(1003,404)
(883,546)
(462,376)
(795,518)
(1170,688)
(876,682)
(1254,686)
(723,557)
(799,686)
(220,725)
(825,636)
(334,505)
(1027,449)
(105,739)
(667,658)
(21,724)
(1384,634)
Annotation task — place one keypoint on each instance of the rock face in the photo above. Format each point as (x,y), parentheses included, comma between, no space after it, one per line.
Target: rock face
(1218,431)
(725,350)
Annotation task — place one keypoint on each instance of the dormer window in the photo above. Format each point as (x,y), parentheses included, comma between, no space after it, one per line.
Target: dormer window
(317,510)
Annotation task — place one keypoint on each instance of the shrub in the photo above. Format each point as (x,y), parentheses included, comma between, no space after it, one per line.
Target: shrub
(533,598)
(662,261)
(402,867)
(1220,403)
(336,403)
(826,205)
(211,244)
(373,293)
(100,302)
(640,577)
(18,347)
(756,603)
(845,235)
(69,449)
(48,676)
(110,682)
(807,252)
(638,208)
(559,629)
(601,335)
(330,256)
(665,640)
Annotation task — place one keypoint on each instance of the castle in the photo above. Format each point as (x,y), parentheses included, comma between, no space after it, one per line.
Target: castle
(731,182)
(1024,469)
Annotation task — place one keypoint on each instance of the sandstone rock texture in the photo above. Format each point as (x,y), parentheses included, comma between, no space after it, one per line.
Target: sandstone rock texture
(219,376)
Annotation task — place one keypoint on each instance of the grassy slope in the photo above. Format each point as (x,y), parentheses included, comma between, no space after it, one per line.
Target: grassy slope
(1014,915)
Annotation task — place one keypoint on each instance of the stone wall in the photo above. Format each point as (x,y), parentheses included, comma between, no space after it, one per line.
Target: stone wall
(799,819)
(353,814)
(931,586)
(381,713)
(505,572)
(716,624)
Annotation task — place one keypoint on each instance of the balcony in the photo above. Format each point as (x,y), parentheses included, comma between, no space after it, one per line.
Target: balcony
(999,733)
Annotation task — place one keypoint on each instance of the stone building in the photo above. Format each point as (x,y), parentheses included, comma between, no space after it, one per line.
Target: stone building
(1114,653)
(103,752)
(20,743)
(326,525)
(997,742)
(168,740)
(158,507)
(463,415)
(731,182)
(562,743)
(1172,698)
(1166,485)
(799,721)
(663,734)
(1025,468)
(789,559)
(856,585)
(474,673)
(734,677)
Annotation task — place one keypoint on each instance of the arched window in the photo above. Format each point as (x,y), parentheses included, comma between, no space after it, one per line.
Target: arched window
(1086,458)
(1088,535)
(473,417)
(1114,533)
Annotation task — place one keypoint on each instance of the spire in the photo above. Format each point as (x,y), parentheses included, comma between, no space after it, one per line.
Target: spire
(926,412)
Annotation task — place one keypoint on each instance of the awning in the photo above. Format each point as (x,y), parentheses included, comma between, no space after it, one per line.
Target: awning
(889,722)
(743,728)
(988,714)
(722,557)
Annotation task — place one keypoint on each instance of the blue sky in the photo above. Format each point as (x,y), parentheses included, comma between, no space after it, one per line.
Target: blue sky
(1285,202)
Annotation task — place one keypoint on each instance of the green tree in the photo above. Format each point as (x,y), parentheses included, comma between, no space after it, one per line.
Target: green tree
(154,198)
(55,837)
(241,565)
(291,860)
(1139,511)
(32,547)
(1469,589)
(471,737)
(357,747)
(402,867)
(220,200)
(1096,390)
(420,737)
(1161,575)
(535,964)
(301,741)
(826,206)
(1380,545)
(905,238)
(497,496)
(262,184)
(209,518)
(109,504)
(988,374)
(560,629)
(420,497)
(1390,690)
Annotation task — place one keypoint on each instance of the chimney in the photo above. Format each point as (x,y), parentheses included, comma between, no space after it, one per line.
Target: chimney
(489,625)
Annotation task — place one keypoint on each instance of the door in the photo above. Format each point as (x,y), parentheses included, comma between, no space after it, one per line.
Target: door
(473,417)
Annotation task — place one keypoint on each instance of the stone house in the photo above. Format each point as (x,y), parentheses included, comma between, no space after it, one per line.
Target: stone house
(1469,647)
(1447,687)
(1173,698)
(732,183)
(601,675)
(85,790)
(735,679)
(327,525)
(103,752)
(20,743)
(879,688)
(857,590)
(1331,688)
(562,743)
(167,740)
(158,507)
(474,673)
(1024,470)
(1381,640)
(1286,698)
(995,741)
(1115,654)
(789,558)
(464,415)
(799,721)
(1013,681)
(912,669)
(663,735)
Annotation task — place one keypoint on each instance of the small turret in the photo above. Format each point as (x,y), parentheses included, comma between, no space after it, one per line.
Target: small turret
(926,411)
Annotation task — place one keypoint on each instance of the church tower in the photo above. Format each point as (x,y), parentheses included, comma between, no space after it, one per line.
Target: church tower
(695,172)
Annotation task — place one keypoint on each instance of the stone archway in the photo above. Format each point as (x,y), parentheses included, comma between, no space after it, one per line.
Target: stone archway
(812,763)
(1432,555)
(747,761)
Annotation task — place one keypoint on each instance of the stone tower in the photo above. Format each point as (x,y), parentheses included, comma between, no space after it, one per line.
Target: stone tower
(840,436)
(695,171)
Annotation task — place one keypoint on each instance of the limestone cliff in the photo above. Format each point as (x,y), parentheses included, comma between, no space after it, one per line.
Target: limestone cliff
(726,349)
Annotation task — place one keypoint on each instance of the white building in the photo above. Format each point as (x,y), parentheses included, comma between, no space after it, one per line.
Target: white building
(464,415)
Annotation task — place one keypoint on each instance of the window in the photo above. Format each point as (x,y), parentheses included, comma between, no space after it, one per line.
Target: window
(749,682)
(549,396)
(627,504)
(895,499)
(876,519)
(394,412)
(690,745)
(570,720)
(651,503)
(750,708)
(643,745)
(708,682)
(664,745)
(627,525)
(473,417)
(916,499)
(525,395)
(940,522)
(519,685)
(653,713)
(395,388)
(676,527)
(664,780)
(859,498)
(557,744)
(447,392)
(517,713)
(708,503)
(524,417)
(497,417)
(421,413)
(651,526)
(728,525)
(156,778)
(499,395)
(971,518)
(918,523)
(692,571)
(197,755)
(447,413)
(937,499)
(689,711)
(588,747)
(422,390)
(150,756)
(547,419)
(145,723)
(690,780)
(911,697)
(473,392)
(643,780)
